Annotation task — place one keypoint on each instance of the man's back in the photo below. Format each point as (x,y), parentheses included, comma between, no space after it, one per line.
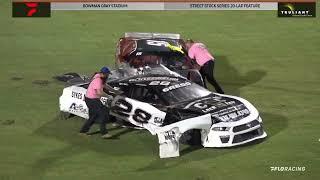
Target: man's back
(200,53)
(95,84)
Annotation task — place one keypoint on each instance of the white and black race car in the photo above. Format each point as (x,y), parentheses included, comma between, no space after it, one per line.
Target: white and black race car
(169,106)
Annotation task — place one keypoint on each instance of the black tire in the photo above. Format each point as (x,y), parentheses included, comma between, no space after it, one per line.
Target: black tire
(195,138)
(191,137)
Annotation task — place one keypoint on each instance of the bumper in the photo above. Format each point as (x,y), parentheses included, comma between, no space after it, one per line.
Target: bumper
(230,138)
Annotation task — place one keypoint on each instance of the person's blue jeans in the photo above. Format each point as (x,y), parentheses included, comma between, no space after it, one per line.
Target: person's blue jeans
(97,113)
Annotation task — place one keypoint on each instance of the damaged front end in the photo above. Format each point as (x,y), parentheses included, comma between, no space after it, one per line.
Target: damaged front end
(170,135)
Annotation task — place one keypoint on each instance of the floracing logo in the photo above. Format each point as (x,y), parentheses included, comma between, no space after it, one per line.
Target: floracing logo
(296,9)
(31,9)
(288,168)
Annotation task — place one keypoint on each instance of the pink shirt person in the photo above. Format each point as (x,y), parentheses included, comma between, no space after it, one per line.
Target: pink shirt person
(200,53)
(95,85)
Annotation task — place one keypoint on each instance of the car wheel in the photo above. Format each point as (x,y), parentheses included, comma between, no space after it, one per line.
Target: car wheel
(191,137)
(195,138)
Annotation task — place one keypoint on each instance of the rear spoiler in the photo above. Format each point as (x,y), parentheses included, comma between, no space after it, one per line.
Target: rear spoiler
(147,35)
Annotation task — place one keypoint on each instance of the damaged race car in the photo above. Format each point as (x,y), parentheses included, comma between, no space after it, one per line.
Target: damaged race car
(170,106)
(138,49)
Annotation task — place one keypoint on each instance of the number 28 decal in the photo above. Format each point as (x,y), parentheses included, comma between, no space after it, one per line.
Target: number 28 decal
(125,109)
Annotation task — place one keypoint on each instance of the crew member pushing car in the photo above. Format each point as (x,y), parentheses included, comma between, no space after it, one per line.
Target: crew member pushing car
(97,111)
(199,53)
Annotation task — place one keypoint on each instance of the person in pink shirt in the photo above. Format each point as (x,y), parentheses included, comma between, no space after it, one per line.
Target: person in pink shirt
(97,111)
(199,53)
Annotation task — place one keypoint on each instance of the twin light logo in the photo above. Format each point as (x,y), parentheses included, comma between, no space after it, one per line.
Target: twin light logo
(296,9)
(293,11)
(290,6)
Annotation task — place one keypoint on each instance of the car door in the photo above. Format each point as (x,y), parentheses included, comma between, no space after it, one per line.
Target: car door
(138,109)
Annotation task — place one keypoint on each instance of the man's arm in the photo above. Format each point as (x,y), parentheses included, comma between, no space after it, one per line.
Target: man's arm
(112,90)
(188,62)
(191,63)
(101,93)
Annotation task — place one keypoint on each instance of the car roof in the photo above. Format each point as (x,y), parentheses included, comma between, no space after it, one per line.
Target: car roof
(145,79)
(146,75)
(151,35)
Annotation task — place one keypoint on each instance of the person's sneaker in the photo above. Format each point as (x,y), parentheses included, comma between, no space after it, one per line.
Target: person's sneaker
(106,136)
(84,134)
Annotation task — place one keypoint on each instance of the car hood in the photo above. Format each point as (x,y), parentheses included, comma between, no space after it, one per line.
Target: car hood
(222,108)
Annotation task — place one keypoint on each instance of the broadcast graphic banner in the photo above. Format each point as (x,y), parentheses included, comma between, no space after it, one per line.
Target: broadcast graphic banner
(42,8)
(161,6)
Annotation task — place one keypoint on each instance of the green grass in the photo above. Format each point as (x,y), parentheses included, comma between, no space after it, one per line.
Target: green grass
(273,62)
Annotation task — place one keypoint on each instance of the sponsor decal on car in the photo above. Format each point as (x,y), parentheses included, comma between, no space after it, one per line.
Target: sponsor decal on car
(169,135)
(223,109)
(74,108)
(176,86)
(230,114)
(104,100)
(161,83)
(153,79)
(158,120)
(214,98)
(77,95)
(208,108)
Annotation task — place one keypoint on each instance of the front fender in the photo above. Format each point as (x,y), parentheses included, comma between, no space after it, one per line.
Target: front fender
(169,135)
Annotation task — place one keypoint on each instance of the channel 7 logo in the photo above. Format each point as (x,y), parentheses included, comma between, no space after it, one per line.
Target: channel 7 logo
(31,9)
